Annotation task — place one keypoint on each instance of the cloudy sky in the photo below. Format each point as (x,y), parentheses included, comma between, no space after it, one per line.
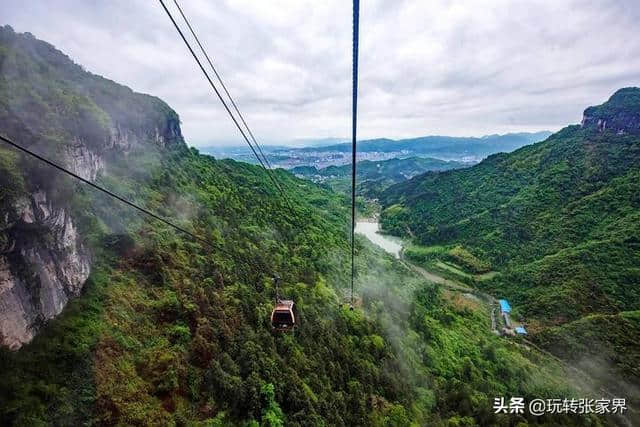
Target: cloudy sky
(441,67)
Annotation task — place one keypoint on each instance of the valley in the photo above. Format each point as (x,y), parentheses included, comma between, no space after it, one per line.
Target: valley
(462,150)
(447,275)
(550,217)
(111,317)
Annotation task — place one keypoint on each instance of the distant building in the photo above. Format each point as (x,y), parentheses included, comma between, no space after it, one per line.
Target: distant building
(504,306)
(520,330)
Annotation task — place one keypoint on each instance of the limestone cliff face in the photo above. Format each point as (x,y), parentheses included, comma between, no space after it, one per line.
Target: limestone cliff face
(619,115)
(42,267)
(87,160)
(83,161)
(45,264)
(85,123)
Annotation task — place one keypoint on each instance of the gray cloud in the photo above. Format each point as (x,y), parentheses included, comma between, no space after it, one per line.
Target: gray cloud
(438,67)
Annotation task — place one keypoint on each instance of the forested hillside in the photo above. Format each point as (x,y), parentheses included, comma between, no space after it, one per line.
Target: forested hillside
(374,176)
(559,220)
(166,330)
(84,122)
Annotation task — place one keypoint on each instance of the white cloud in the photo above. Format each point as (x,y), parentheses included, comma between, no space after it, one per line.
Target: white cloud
(438,67)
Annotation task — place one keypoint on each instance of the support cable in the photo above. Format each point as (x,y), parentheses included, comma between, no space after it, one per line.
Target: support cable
(224,87)
(115,196)
(354,121)
(224,103)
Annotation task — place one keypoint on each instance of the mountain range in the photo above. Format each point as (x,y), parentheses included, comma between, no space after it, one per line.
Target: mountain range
(559,222)
(109,317)
(320,154)
(443,146)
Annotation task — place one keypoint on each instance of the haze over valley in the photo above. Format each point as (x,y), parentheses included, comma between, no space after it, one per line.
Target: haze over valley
(153,271)
(467,150)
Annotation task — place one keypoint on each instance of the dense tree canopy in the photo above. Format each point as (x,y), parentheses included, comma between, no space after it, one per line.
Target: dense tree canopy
(169,331)
(559,220)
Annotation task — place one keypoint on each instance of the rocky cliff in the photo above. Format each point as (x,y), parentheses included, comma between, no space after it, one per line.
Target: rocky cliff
(43,266)
(619,115)
(87,123)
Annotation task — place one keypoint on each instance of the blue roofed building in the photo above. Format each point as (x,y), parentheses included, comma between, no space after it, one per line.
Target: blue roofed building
(521,330)
(504,306)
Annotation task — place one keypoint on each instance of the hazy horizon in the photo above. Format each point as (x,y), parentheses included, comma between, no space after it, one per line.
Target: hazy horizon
(327,141)
(426,69)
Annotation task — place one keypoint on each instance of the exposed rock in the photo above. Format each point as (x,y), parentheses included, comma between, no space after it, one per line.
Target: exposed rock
(90,122)
(83,161)
(44,265)
(43,268)
(16,309)
(619,115)
(164,135)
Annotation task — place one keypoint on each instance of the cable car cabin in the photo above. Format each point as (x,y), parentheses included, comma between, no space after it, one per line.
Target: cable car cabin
(284,316)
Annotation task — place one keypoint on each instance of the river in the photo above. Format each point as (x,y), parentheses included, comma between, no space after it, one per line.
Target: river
(371,230)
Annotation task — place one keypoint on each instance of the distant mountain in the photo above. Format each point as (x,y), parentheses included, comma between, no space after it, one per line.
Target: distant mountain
(443,146)
(465,149)
(238,150)
(559,219)
(317,142)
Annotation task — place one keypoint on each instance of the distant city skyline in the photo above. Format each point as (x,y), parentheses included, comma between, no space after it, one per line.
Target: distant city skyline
(427,68)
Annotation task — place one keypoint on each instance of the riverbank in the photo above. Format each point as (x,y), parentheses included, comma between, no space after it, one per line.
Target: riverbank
(370,228)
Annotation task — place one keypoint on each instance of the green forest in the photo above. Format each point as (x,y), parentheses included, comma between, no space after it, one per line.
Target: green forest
(171,331)
(557,223)
(374,176)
